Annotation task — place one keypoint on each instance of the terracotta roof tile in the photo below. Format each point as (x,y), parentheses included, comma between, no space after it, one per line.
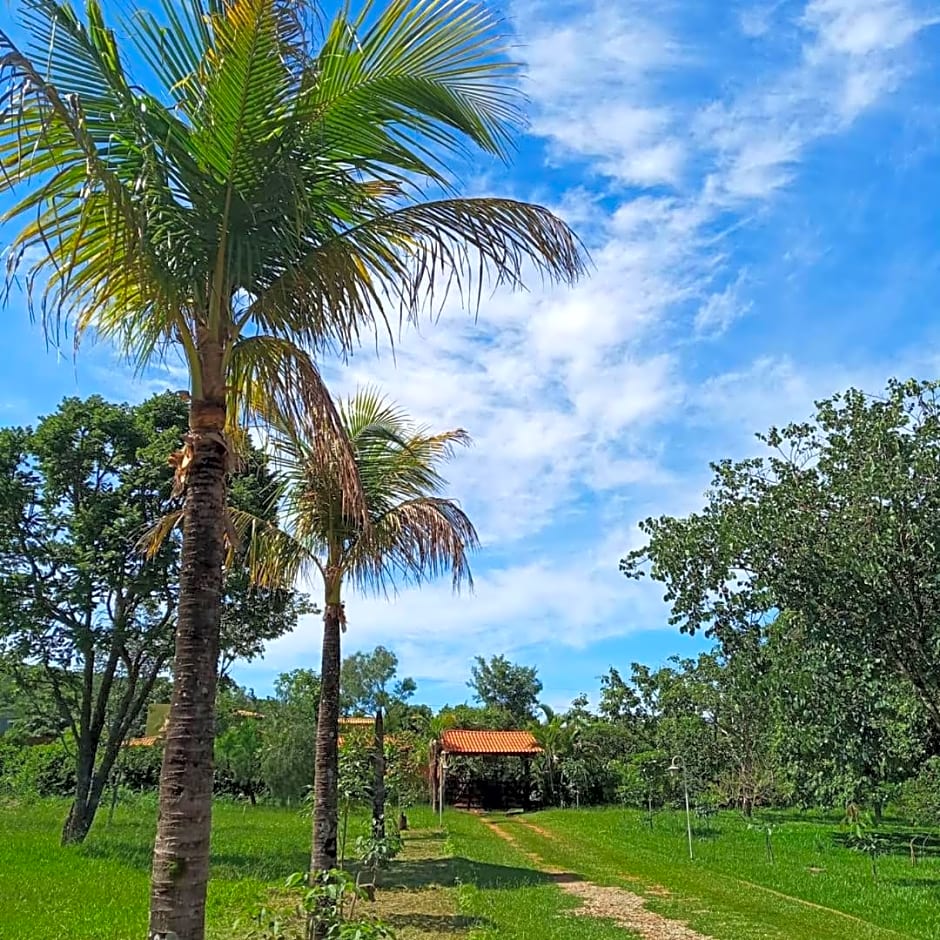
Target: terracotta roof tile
(355,722)
(506,743)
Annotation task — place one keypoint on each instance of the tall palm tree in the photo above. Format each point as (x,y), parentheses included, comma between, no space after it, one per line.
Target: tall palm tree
(410,533)
(267,187)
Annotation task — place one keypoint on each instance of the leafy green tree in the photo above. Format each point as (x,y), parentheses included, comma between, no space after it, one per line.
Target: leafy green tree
(846,730)
(289,735)
(239,755)
(368,682)
(501,684)
(558,736)
(88,619)
(263,199)
(619,700)
(832,533)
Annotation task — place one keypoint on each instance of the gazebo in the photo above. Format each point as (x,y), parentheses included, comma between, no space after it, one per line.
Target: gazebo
(459,742)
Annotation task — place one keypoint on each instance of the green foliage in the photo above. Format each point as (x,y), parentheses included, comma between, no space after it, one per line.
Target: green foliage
(238,757)
(500,684)
(366,684)
(818,561)
(289,735)
(332,899)
(643,780)
(86,617)
(406,763)
(139,767)
(919,797)
(37,770)
(377,853)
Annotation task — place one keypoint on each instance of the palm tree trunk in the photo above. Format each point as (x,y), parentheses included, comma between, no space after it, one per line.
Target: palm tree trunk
(326,764)
(181,849)
(378,786)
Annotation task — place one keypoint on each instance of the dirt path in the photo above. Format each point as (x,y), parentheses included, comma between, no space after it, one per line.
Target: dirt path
(610,903)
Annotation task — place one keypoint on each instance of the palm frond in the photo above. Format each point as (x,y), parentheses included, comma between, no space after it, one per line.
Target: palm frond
(273,557)
(414,541)
(276,382)
(407,260)
(402,88)
(413,532)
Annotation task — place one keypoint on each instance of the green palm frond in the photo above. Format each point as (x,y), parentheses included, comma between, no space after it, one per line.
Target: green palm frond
(412,533)
(414,77)
(408,259)
(264,199)
(261,166)
(269,553)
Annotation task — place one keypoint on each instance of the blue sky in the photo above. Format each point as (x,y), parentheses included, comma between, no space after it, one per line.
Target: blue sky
(758,184)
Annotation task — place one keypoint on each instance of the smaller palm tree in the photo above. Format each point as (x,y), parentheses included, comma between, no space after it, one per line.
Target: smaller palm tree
(410,533)
(558,738)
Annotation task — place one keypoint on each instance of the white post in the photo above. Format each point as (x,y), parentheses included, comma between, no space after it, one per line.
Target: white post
(688,815)
(443,790)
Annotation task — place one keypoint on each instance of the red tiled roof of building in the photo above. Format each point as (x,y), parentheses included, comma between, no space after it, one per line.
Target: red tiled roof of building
(496,743)
(355,722)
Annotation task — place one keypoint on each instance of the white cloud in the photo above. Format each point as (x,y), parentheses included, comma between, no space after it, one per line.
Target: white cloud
(515,610)
(579,399)
(720,310)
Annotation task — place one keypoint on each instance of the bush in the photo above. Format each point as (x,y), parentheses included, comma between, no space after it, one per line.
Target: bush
(919,797)
(33,770)
(140,767)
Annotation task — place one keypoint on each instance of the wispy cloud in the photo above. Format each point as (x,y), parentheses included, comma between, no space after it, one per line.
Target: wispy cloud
(587,405)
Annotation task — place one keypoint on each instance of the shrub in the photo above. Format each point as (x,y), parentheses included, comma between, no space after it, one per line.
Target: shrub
(919,797)
(140,767)
(34,770)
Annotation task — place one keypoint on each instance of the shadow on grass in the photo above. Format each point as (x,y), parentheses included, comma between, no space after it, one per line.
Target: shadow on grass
(446,872)
(437,924)
(226,866)
(923,884)
(897,842)
(423,835)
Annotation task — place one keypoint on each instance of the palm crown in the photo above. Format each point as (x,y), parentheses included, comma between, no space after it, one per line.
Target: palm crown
(411,531)
(261,201)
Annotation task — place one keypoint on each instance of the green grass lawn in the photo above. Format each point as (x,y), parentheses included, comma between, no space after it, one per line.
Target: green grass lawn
(470,883)
(476,885)
(731,890)
(99,890)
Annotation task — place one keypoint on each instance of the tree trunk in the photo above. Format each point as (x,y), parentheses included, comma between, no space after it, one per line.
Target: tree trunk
(181,849)
(88,793)
(326,764)
(81,815)
(378,786)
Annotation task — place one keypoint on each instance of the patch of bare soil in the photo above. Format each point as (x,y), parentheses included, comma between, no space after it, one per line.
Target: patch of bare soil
(628,910)
(609,903)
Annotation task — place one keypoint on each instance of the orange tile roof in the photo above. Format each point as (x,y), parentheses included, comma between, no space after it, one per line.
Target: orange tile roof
(353,722)
(505,743)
